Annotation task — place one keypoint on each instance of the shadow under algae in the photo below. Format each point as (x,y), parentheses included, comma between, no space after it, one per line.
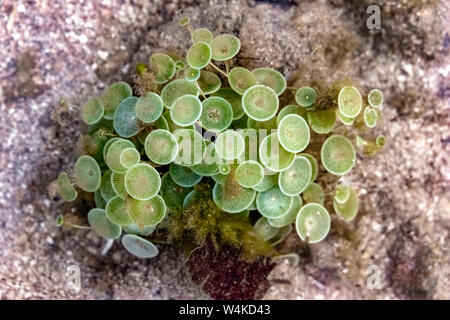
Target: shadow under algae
(227,197)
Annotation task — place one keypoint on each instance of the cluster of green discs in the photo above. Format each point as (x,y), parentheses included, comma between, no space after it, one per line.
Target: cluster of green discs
(209,120)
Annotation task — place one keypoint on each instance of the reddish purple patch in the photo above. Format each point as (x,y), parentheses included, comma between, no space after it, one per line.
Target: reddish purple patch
(225,276)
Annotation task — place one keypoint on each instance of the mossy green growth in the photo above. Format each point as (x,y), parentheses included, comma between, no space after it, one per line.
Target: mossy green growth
(190,227)
(228,154)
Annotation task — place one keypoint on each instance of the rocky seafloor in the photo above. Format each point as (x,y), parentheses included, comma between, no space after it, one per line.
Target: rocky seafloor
(74,49)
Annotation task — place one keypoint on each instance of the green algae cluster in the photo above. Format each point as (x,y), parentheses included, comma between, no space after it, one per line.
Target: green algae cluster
(201,150)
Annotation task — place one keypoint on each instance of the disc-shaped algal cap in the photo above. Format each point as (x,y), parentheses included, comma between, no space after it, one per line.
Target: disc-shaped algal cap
(180,64)
(118,184)
(129,157)
(184,176)
(102,226)
(186,110)
(322,121)
(293,133)
(229,145)
(349,101)
(314,194)
(117,212)
(314,165)
(217,114)
(199,55)
(266,230)
(375,98)
(260,102)
(234,99)
(294,180)
(288,218)
(147,213)
(380,140)
(106,189)
(370,117)
(191,147)
(161,146)
(231,196)
(273,203)
(192,74)
(349,208)
(113,95)
(125,119)
(341,194)
(208,82)
(87,173)
(175,89)
(163,67)
(313,222)
(225,47)
(142,181)
(338,155)
(149,107)
(273,156)
(201,34)
(305,96)
(172,193)
(139,246)
(113,155)
(184,21)
(240,79)
(271,78)
(249,174)
(65,187)
(107,145)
